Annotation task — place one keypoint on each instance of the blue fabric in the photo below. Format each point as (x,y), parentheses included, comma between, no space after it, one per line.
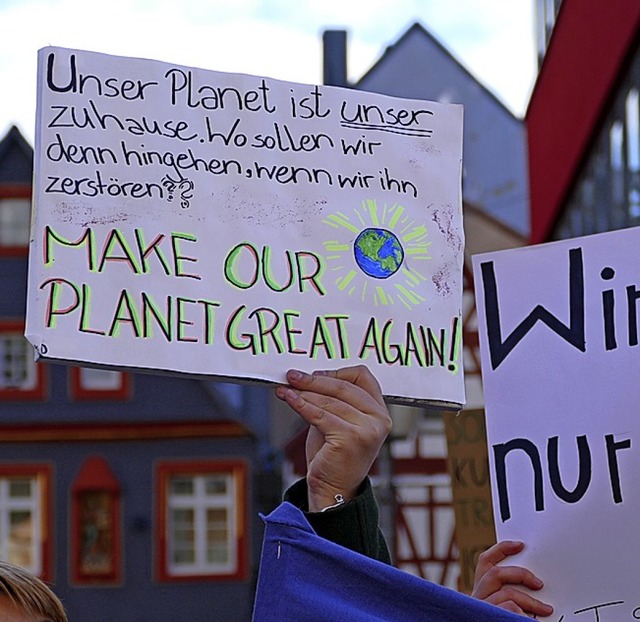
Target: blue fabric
(305,578)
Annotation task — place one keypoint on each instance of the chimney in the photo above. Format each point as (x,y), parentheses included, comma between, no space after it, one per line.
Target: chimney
(334,44)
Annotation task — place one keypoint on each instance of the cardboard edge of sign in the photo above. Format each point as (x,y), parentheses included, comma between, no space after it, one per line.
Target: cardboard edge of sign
(431,404)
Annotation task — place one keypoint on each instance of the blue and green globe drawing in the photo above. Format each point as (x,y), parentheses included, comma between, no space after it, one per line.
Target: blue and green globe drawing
(378,252)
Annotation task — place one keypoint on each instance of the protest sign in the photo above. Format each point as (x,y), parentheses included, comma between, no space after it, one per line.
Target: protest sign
(560,362)
(199,222)
(471,489)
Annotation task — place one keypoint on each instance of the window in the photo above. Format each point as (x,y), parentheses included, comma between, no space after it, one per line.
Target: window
(201,520)
(17,373)
(15,215)
(24,517)
(547,12)
(606,195)
(99,384)
(95,520)
(15,219)
(20,376)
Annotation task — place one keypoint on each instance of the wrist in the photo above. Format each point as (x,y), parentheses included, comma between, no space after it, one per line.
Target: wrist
(323,497)
(339,500)
(323,502)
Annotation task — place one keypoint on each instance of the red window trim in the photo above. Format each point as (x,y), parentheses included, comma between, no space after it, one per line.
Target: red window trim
(164,470)
(81,394)
(14,191)
(45,472)
(96,476)
(117,432)
(39,392)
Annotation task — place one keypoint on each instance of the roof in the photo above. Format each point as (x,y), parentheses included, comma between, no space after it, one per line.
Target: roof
(397,49)
(16,158)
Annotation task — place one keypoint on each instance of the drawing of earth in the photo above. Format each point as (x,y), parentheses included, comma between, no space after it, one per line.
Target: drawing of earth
(378,252)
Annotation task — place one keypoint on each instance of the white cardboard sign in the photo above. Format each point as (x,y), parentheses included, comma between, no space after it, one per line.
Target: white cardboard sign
(561,362)
(205,223)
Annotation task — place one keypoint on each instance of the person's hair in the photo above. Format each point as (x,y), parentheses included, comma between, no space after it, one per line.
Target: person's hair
(28,592)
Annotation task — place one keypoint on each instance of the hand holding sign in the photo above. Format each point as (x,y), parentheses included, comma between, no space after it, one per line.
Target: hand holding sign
(348,424)
(348,421)
(497,584)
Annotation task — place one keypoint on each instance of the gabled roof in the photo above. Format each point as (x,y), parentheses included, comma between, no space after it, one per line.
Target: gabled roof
(395,52)
(16,158)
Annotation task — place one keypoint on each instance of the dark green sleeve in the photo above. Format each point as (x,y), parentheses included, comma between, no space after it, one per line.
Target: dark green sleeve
(353,525)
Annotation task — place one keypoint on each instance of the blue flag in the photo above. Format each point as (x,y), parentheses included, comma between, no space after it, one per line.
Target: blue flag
(305,578)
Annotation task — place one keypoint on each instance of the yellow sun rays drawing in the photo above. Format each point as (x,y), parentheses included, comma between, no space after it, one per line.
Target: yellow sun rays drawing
(401,284)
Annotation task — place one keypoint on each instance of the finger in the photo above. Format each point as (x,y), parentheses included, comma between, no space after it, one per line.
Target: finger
(334,417)
(497,554)
(499,576)
(515,600)
(329,415)
(493,556)
(355,386)
(498,586)
(360,376)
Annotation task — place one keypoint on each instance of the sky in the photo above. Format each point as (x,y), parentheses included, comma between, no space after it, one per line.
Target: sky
(282,39)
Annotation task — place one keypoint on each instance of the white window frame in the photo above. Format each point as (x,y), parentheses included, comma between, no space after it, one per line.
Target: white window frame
(199,502)
(92,379)
(10,504)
